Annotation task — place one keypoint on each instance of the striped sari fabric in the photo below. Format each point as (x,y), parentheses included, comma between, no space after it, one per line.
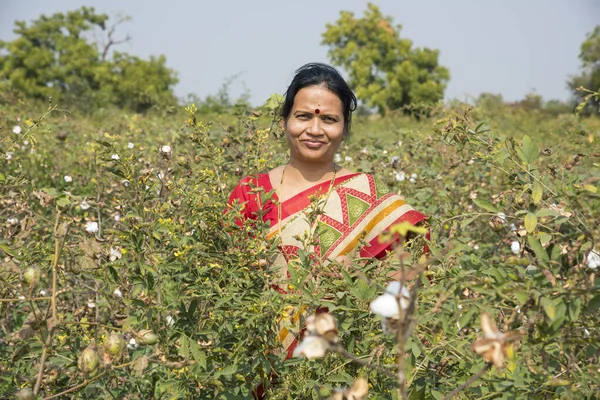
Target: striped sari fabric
(357,209)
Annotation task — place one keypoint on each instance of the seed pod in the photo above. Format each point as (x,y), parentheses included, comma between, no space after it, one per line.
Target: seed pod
(89,360)
(147,337)
(115,345)
(32,275)
(26,394)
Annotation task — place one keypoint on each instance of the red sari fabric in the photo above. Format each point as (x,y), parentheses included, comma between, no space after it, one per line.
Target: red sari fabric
(250,191)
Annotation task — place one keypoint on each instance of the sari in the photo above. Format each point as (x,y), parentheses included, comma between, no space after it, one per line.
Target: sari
(356,208)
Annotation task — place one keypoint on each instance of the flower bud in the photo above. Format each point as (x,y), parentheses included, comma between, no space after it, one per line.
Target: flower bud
(89,360)
(32,275)
(115,345)
(147,337)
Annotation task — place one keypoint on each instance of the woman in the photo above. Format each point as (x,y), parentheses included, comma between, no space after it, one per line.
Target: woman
(316,118)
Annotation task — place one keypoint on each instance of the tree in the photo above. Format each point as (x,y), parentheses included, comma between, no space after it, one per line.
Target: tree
(384,69)
(53,57)
(590,74)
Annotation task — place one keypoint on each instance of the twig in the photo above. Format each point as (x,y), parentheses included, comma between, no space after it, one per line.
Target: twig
(25,299)
(75,388)
(58,242)
(468,383)
(343,352)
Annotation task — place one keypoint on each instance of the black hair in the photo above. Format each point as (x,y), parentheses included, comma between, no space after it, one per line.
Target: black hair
(315,74)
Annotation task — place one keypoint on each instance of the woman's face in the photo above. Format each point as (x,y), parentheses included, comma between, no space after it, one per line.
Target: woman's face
(315,127)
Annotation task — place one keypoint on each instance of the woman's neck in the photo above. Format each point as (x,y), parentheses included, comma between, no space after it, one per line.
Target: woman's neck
(311,172)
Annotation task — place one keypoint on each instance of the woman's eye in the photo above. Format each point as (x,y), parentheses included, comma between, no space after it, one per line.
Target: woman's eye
(302,116)
(330,119)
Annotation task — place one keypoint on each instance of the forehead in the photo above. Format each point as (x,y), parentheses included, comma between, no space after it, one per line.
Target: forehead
(320,97)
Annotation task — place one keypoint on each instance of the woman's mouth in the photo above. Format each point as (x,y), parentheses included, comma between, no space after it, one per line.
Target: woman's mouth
(313,144)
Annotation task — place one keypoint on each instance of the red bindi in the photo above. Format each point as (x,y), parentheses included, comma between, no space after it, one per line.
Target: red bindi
(317,111)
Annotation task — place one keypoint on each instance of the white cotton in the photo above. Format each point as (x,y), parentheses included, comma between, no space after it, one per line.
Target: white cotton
(91,304)
(132,345)
(386,306)
(312,347)
(43,292)
(166,149)
(170,320)
(400,144)
(17,129)
(593,259)
(68,178)
(115,157)
(347,158)
(502,216)
(91,227)
(13,221)
(471,161)
(125,182)
(161,176)
(395,159)
(117,217)
(130,145)
(114,254)
(84,205)
(513,227)
(413,175)
(412,180)
(400,176)
(10,155)
(337,158)
(515,247)
(117,292)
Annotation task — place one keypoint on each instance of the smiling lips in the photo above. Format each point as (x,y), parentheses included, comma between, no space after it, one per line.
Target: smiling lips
(313,144)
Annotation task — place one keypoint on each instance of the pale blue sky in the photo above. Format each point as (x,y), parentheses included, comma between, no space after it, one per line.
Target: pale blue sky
(509,47)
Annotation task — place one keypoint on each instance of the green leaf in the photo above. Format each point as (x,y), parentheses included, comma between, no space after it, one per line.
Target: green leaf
(536,192)
(466,222)
(530,150)
(530,222)
(227,371)
(198,354)
(546,212)
(486,205)
(549,307)
(537,248)
(574,309)
(63,201)
(184,348)
(593,305)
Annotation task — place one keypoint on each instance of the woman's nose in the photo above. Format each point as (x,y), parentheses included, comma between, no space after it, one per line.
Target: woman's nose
(315,126)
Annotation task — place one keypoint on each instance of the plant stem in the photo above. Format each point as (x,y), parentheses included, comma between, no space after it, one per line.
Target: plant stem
(75,388)
(468,383)
(343,352)
(58,242)
(26,299)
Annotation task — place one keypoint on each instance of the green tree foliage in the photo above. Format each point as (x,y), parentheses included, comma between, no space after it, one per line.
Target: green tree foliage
(590,74)
(53,57)
(384,69)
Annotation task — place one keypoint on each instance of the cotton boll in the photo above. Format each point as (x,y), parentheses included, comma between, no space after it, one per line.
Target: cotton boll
(593,260)
(312,347)
(386,306)
(515,247)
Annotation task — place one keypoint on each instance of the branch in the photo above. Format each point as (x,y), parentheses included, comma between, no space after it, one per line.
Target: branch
(341,351)
(468,382)
(111,40)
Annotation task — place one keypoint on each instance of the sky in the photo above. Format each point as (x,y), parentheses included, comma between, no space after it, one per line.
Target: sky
(507,47)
